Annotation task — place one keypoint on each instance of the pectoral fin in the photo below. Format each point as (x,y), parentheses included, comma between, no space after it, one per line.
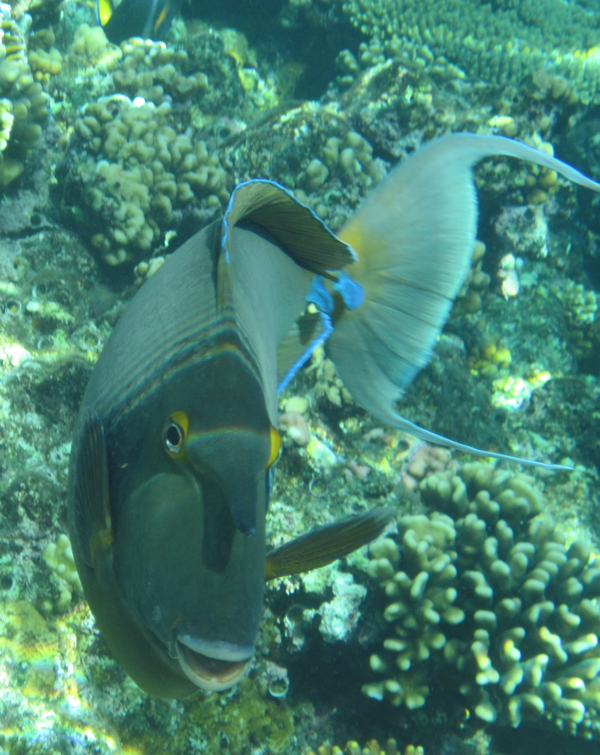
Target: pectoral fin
(91,509)
(325,544)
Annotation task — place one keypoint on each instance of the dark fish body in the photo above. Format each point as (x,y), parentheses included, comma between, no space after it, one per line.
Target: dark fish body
(168,482)
(173,443)
(163,514)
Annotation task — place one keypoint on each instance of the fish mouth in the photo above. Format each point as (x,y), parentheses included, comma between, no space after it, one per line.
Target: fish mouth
(214,666)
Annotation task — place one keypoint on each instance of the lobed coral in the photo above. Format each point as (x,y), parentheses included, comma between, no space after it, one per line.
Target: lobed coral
(23,105)
(311,149)
(90,47)
(142,163)
(141,166)
(44,58)
(373,747)
(468,299)
(486,586)
(154,71)
(580,304)
(490,357)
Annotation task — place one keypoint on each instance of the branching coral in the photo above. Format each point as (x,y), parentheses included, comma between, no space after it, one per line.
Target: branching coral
(499,42)
(373,747)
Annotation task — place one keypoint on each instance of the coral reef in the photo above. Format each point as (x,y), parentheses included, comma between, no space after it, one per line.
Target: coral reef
(371,748)
(44,58)
(91,48)
(157,73)
(338,616)
(500,43)
(311,149)
(143,171)
(142,166)
(580,304)
(59,557)
(487,586)
(144,142)
(33,679)
(23,105)
(468,299)
(142,162)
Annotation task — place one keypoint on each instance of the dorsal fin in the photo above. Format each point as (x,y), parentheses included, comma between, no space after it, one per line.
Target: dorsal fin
(292,224)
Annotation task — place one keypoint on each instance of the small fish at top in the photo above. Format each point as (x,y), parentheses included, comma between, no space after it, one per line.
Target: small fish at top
(148,19)
(177,433)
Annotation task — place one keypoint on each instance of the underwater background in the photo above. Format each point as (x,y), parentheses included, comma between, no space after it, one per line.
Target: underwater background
(110,157)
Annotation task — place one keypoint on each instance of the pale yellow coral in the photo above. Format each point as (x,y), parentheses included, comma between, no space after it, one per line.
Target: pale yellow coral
(486,584)
(59,557)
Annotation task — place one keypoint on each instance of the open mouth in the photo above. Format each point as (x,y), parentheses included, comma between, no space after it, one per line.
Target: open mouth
(213,666)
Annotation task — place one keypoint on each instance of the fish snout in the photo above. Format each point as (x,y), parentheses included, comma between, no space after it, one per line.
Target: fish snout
(213,666)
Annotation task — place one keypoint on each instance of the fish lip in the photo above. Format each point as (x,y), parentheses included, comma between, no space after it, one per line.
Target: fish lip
(213,666)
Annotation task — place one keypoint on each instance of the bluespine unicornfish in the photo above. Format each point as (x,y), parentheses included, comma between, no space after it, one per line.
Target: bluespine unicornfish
(177,432)
(149,19)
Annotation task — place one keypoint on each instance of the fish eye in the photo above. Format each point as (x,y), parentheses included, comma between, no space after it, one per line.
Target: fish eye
(174,438)
(175,433)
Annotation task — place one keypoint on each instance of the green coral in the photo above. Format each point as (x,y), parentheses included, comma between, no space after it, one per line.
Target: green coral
(580,304)
(152,70)
(500,42)
(485,587)
(214,724)
(30,721)
(310,149)
(43,57)
(468,299)
(91,48)
(373,747)
(142,162)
